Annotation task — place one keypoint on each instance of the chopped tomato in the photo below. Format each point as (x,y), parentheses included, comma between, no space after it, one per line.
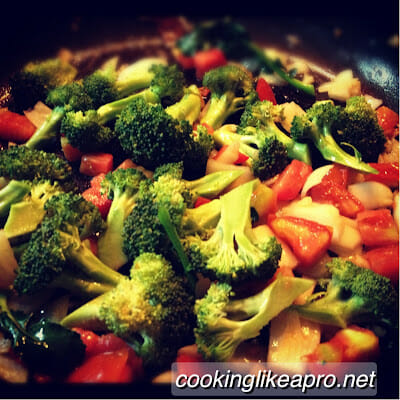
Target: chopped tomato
(93,164)
(335,194)
(71,153)
(377,228)
(128,163)
(264,91)
(101,201)
(291,180)
(194,367)
(95,182)
(205,60)
(388,120)
(308,239)
(186,62)
(338,174)
(200,201)
(385,261)
(388,174)
(15,127)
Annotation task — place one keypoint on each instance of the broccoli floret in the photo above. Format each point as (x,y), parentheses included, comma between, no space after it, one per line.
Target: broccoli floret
(121,186)
(316,125)
(71,94)
(26,214)
(352,295)
(358,126)
(33,82)
(232,253)
(153,311)
(258,119)
(12,193)
(224,322)
(55,250)
(231,87)
(22,163)
(234,40)
(100,87)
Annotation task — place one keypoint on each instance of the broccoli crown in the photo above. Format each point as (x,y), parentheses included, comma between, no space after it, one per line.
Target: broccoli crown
(358,126)
(84,131)
(175,170)
(41,262)
(33,82)
(232,253)
(353,295)
(272,159)
(100,87)
(150,136)
(76,211)
(168,83)
(71,95)
(153,310)
(257,113)
(228,79)
(22,163)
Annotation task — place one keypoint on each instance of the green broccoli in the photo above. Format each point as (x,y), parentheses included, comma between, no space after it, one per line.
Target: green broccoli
(153,311)
(12,193)
(267,156)
(121,186)
(26,214)
(352,295)
(224,322)
(71,94)
(33,81)
(231,253)
(22,163)
(358,126)
(317,125)
(55,255)
(258,122)
(234,40)
(231,87)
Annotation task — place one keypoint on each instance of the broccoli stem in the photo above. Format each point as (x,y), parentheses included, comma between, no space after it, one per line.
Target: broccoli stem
(331,151)
(188,108)
(219,109)
(48,131)
(110,111)
(201,218)
(14,192)
(275,67)
(213,184)
(89,264)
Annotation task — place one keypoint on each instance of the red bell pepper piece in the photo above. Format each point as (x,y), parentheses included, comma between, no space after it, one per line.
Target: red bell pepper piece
(332,193)
(205,60)
(200,201)
(385,261)
(93,164)
(377,228)
(388,174)
(264,91)
(388,120)
(15,127)
(291,180)
(308,239)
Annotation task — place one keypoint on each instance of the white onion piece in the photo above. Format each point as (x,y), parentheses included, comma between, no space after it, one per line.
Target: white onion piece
(38,114)
(315,178)
(8,263)
(372,195)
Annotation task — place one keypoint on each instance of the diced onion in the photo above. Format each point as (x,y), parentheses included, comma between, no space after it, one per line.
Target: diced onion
(372,195)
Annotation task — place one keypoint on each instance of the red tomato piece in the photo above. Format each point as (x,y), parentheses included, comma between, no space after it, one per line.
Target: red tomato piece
(186,62)
(15,127)
(71,153)
(95,182)
(385,261)
(291,180)
(338,174)
(377,228)
(205,60)
(93,164)
(388,120)
(200,201)
(128,163)
(264,91)
(332,193)
(308,239)
(195,367)
(101,201)
(89,339)
(388,174)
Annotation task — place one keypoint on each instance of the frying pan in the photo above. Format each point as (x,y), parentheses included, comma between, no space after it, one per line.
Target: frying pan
(331,44)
